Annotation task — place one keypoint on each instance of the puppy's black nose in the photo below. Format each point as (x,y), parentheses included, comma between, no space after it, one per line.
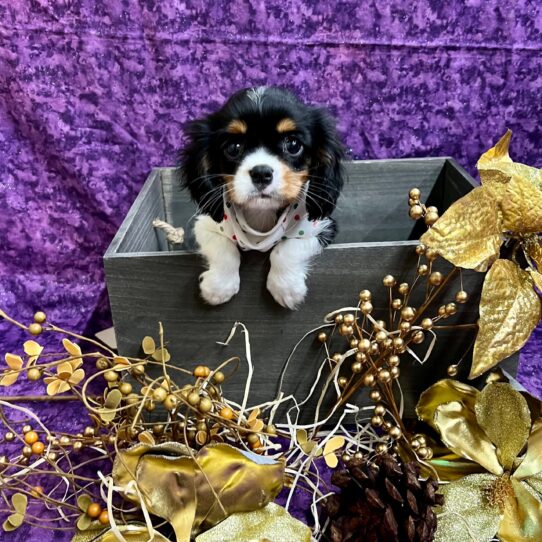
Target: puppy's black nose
(261,176)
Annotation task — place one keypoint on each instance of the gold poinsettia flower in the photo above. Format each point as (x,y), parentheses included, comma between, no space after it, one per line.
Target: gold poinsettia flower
(68,375)
(508,206)
(492,438)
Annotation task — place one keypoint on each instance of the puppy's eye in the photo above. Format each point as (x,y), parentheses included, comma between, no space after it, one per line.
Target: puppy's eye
(233,150)
(293,146)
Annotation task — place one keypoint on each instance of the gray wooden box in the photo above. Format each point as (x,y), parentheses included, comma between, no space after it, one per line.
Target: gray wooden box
(148,281)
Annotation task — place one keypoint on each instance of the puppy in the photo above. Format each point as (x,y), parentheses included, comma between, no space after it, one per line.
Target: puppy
(265,171)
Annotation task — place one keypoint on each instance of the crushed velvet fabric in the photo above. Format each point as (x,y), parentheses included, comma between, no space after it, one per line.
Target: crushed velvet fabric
(94,93)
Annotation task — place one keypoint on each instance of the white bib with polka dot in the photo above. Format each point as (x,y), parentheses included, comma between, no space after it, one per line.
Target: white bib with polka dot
(293,223)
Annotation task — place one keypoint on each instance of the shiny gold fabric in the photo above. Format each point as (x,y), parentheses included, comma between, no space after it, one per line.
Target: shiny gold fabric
(132,533)
(196,493)
(492,432)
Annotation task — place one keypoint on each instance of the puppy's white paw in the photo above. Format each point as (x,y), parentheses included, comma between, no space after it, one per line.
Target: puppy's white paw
(217,288)
(288,290)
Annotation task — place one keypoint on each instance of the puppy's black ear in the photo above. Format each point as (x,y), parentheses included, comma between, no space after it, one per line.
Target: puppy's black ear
(326,173)
(195,166)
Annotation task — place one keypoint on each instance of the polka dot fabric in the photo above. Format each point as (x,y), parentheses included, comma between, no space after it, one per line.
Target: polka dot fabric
(293,223)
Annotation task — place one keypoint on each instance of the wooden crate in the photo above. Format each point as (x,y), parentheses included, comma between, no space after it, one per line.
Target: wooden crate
(149,282)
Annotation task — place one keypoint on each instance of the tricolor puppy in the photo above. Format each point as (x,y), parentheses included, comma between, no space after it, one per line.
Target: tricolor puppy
(265,171)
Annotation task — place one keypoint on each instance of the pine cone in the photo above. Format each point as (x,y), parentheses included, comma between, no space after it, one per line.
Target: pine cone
(382,501)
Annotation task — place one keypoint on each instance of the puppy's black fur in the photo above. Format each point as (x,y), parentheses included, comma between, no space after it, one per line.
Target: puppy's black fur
(206,160)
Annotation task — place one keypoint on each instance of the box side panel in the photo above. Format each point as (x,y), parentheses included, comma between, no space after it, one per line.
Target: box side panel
(149,289)
(136,233)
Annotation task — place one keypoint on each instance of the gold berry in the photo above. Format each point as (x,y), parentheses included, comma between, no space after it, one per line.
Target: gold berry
(201,371)
(218,377)
(452,370)
(431,218)
(342,381)
(226,413)
(35,329)
(451,308)
(193,398)
(356,367)
(427,323)
(377,421)
(40,317)
(415,193)
(205,405)
(416,212)
(380,410)
(33,374)
(384,375)
(171,402)
(364,345)
(366,307)
(339,319)
(393,360)
(435,278)
(31,437)
(418,337)
(461,296)
(396,304)
(159,394)
(423,269)
(408,313)
(94,510)
(369,380)
(389,281)
(111,376)
(125,388)
(365,295)
(349,319)
(322,337)
(103,518)
(27,451)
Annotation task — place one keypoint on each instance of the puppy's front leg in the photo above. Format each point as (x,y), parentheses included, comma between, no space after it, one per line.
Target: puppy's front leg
(290,261)
(221,281)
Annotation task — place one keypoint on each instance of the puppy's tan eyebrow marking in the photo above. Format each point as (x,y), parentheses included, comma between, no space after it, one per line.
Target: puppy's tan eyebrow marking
(286,125)
(237,126)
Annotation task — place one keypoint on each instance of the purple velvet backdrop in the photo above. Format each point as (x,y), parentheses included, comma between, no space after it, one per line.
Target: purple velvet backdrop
(94,93)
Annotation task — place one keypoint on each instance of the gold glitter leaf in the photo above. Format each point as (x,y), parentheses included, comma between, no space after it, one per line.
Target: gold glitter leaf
(132,532)
(148,345)
(272,523)
(146,437)
(504,415)
(522,206)
(306,445)
(509,311)
(532,462)
(120,360)
(522,521)
(467,514)
(468,234)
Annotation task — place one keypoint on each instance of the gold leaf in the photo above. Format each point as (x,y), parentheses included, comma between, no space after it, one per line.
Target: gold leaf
(72,348)
(522,521)
(444,391)
(522,206)
(496,168)
(269,523)
(161,354)
(113,398)
(534,250)
(20,502)
(504,415)
(84,521)
(509,310)
(120,360)
(148,345)
(84,501)
(13,522)
(460,431)
(32,348)
(467,514)
(468,234)
(14,362)
(306,445)
(532,462)
(537,278)
(9,378)
(331,446)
